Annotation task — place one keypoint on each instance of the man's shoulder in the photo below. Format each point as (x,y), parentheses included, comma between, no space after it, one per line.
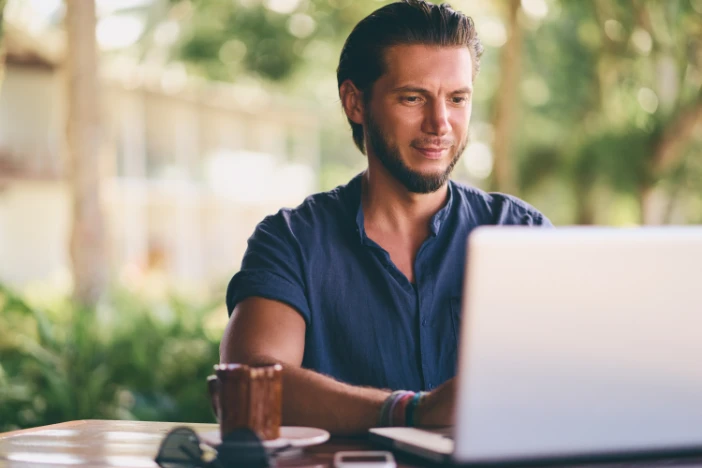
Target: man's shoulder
(497,207)
(317,211)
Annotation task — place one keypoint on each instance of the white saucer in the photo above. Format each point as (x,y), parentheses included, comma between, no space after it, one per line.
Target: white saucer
(293,436)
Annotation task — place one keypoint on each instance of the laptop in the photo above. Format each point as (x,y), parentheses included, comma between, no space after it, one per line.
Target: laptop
(577,345)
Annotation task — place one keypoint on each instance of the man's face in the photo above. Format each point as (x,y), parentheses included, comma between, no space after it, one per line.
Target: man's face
(416,122)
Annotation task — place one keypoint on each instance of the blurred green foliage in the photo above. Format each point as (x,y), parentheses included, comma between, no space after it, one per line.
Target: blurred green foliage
(2,11)
(610,99)
(272,38)
(621,80)
(132,359)
(604,88)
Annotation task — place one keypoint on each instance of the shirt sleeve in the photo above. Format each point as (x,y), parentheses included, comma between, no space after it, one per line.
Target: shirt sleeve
(515,211)
(535,218)
(543,221)
(271,268)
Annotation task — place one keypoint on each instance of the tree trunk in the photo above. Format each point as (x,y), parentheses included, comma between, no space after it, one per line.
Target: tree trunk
(647,205)
(87,237)
(585,209)
(506,101)
(667,152)
(2,40)
(676,136)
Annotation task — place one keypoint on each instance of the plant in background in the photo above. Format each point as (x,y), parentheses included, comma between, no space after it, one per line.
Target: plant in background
(52,366)
(132,360)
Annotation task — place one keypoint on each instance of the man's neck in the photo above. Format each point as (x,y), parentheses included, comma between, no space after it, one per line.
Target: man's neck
(390,208)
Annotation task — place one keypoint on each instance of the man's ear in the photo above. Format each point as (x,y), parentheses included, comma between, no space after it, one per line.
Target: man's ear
(352,100)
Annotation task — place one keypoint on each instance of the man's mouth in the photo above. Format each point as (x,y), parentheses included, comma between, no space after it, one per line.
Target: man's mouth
(432,152)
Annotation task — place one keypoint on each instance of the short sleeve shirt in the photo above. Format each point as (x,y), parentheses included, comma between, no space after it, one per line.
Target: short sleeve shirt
(366,324)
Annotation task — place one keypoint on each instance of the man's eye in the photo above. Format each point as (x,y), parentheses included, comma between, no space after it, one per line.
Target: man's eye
(460,100)
(411,99)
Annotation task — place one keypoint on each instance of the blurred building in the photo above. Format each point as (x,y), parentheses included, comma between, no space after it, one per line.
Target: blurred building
(189,167)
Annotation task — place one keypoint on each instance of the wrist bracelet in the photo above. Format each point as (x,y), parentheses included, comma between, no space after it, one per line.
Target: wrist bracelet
(385,410)
(399,411)
(412,407)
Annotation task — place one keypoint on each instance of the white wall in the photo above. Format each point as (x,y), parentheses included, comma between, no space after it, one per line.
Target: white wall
(198,221)
(31,118)
(34,232)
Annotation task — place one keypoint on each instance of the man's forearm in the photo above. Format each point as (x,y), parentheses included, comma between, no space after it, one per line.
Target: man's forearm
(315,400)
(312,399)
(264,332)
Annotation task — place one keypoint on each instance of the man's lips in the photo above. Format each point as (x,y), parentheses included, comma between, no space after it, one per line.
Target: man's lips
(431,152)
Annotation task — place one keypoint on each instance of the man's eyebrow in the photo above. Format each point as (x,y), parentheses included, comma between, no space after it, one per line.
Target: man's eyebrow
(410,89)
(417,89)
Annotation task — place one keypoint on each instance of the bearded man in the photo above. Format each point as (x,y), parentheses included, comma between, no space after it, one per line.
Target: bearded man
(357,291)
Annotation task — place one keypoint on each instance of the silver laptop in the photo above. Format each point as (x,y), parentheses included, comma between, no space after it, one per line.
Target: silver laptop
(577,345)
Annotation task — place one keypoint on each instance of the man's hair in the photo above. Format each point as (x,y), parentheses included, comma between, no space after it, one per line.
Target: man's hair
(406,22)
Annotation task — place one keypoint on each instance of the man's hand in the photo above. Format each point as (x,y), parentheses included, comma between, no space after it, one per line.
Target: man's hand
(437,409)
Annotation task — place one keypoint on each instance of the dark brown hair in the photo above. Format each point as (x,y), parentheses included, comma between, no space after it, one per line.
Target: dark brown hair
(403,22)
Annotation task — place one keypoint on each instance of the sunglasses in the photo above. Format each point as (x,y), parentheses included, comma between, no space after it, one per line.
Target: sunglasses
(182,448)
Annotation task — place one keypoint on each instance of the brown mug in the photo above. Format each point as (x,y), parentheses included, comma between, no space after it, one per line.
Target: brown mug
(247,397)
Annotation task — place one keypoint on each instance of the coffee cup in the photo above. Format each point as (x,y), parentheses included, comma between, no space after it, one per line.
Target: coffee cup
(250,397)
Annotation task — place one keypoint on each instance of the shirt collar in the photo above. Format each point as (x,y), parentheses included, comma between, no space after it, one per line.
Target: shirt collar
(360,224)
(440,216)
(434,224)
(355,188)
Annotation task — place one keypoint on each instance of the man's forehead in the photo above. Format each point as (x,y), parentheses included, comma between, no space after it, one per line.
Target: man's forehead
(417,63)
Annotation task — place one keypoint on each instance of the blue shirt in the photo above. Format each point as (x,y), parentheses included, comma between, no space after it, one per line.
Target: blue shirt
(366,323)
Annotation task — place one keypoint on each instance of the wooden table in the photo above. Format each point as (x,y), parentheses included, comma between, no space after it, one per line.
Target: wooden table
(97,443)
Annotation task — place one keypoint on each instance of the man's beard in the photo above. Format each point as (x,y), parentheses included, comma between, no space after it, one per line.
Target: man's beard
(389,156)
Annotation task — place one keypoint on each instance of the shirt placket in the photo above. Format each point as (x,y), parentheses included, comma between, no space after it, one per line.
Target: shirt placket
(424,277)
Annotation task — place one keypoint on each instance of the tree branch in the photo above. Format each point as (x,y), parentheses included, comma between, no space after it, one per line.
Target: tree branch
(676,135)
(643,18)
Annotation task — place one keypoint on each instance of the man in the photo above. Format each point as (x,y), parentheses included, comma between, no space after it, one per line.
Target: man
(357,291)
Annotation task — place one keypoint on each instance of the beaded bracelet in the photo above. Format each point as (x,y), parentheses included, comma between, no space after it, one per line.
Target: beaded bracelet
(399,407)
(398,415)
(412,407)
(386,411)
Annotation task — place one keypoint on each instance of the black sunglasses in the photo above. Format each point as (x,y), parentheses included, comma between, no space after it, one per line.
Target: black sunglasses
(182,448)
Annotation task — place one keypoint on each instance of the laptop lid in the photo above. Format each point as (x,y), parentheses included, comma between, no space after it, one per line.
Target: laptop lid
(580,342)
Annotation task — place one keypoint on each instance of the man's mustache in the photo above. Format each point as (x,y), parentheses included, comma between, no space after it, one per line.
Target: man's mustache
(433,142)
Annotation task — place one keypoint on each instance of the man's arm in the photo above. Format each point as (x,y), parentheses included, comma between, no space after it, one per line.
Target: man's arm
(263,331)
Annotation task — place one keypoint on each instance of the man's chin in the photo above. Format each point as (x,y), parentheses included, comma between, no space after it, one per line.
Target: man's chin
(431,175)
(429,182)
(430,168)
(421,177)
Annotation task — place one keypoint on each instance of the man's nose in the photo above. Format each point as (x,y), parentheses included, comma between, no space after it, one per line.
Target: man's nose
(436,120)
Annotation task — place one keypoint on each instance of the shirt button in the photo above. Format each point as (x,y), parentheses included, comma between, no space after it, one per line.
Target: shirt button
(424,322)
